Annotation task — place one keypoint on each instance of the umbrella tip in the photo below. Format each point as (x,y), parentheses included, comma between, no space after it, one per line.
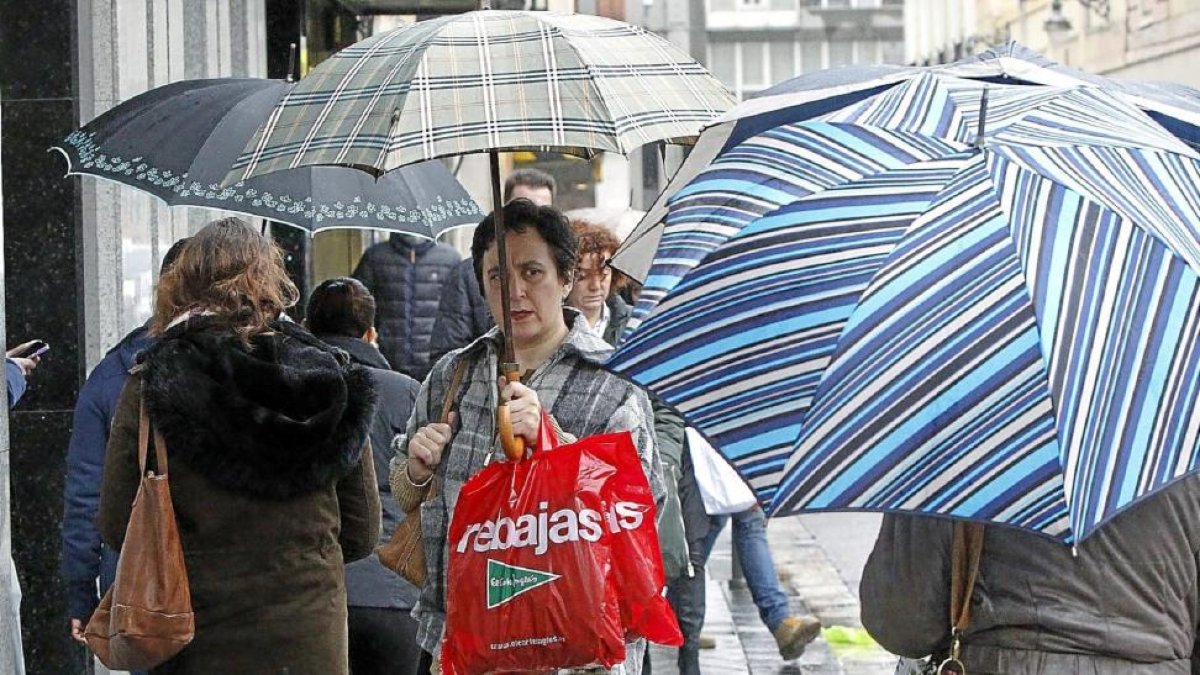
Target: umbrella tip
(983,100)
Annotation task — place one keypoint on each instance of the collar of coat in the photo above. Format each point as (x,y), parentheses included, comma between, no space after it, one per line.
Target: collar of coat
(284,416)
(362,353)
(408,242)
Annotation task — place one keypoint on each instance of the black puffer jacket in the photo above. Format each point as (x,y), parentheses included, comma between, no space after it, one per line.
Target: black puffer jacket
(406,275)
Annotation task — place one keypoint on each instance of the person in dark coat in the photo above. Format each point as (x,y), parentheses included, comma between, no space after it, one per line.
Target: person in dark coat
(1125,601)
(406,275)
(341,313)
(85,558)
(17,368)
(272,477)
(462,314)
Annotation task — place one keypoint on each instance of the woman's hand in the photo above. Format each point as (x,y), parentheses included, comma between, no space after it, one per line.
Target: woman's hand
(425,449)
(524,409)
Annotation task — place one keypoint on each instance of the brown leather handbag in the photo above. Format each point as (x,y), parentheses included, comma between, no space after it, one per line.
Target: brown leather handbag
(146,616)
(404,552)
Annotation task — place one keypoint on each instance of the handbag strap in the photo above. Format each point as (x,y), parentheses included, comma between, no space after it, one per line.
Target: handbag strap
(964,571)
(448,401)
(160,444)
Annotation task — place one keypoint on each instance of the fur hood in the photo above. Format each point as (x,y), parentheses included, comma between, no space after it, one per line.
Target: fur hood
(285,417)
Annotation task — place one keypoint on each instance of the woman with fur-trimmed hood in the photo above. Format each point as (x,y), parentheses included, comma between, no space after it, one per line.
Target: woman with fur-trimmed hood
(271,474)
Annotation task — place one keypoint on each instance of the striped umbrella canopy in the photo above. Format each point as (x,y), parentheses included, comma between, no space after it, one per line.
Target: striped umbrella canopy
(884,309)
(1176,107)
(488,80)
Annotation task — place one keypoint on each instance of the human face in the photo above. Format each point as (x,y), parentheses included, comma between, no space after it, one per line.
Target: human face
(593,281)
(537,291)
(538,195)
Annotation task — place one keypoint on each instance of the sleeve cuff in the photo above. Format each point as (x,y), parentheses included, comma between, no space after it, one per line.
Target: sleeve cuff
(406,493)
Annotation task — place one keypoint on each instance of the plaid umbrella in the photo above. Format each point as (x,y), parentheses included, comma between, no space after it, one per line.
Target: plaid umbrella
(488,80)
(885,309)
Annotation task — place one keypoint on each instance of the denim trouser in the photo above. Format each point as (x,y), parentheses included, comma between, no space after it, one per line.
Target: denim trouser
(750,542)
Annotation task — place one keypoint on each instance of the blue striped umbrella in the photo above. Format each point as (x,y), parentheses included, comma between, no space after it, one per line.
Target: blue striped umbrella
(885,309)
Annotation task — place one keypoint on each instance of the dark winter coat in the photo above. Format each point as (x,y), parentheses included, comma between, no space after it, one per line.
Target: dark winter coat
(406,276)
(84,556)
(273,486)
(368,582)
(1127,603)
(669,432)
(463,314)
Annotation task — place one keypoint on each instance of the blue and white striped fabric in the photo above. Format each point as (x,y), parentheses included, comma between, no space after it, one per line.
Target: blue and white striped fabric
(875,310)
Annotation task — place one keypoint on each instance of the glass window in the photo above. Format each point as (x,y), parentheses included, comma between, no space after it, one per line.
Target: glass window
(866,51)
(752,65)
(783,5)
(841,53)
(722,61)
(893,52)
(811,56)
(783,60)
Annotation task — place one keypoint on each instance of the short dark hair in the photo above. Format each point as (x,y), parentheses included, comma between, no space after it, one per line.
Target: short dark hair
(341,306)
(529,178)
(519,215)
(172,254)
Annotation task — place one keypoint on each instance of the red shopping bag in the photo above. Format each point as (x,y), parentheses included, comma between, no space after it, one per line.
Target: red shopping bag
(535,581)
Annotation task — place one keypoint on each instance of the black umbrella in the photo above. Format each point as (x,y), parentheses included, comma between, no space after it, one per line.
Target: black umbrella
(177,142)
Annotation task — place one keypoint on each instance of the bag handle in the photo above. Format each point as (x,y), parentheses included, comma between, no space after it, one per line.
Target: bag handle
(966,554)
(160,444)
(448,402)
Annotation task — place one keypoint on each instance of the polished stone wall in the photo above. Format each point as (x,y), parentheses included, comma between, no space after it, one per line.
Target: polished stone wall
(80,258)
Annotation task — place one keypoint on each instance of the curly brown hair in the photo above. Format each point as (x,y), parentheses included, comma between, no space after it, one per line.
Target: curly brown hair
(597,239)
(231,270)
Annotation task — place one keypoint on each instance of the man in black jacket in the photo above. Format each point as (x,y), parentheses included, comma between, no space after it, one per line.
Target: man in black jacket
(406,275)
(462,313)
(341,313)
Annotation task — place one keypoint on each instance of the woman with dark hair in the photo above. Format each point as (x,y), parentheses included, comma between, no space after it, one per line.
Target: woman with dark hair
(271,474)
(341,313)
(563,374)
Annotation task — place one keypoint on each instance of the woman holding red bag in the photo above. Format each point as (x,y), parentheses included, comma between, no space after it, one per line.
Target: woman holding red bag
(562,360)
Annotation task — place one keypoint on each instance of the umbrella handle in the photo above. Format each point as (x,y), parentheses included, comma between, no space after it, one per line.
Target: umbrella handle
(514,446)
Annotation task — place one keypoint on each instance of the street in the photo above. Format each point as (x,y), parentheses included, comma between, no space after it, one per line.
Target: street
(819,559)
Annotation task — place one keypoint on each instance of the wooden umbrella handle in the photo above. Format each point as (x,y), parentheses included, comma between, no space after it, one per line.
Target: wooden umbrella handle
(514,446)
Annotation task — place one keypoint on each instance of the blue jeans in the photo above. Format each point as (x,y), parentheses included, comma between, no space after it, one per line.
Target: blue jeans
(750,542)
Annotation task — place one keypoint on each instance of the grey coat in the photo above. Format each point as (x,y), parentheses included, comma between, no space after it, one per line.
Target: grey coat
(1125,605)
(583,397)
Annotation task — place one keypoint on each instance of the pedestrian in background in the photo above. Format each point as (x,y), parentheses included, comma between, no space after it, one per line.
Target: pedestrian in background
(1125,601)
(272,478)
(406,275)
(462,314)
(341,313)
(88,566)
(564,374)
(18,366)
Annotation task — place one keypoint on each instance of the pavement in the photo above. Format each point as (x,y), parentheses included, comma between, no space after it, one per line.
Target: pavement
(819,559)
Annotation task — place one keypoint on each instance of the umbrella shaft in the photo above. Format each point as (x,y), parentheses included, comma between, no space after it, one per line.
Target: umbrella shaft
(502,258)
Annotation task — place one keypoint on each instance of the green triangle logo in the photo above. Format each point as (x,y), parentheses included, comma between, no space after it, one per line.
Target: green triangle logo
(505,582)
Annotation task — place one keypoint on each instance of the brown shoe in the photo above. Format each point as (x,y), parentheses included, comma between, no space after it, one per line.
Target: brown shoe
(794,634)
(706,642)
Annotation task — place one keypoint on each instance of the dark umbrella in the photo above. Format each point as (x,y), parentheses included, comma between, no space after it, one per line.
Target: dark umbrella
(178,141)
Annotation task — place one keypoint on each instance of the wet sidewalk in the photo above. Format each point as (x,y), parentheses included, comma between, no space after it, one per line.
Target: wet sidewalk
(815,582)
